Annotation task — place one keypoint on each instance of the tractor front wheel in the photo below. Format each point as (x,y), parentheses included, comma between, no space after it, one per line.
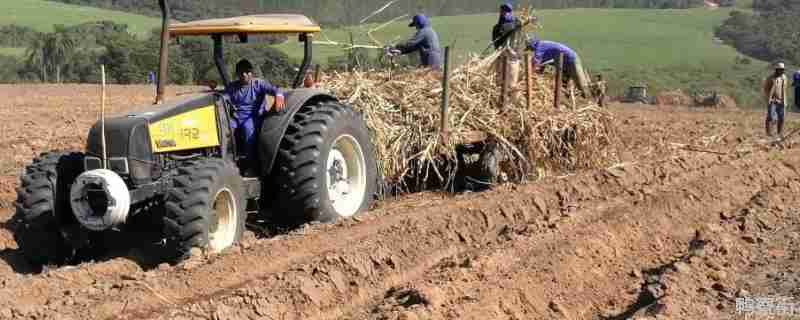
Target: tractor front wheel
(205,208)
(43,208)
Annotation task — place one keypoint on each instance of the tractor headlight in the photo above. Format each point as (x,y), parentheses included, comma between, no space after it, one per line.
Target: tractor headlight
(92,163)
(119,165)
(116,164)
(141,171)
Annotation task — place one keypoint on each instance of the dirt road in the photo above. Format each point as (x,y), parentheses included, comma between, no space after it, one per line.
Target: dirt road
(698,214)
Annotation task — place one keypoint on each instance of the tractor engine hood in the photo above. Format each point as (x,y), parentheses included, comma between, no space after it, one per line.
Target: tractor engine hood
(129,139)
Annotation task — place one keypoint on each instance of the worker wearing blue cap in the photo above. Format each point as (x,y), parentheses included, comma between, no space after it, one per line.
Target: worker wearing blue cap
(504,36)
(504,32)
(425,40)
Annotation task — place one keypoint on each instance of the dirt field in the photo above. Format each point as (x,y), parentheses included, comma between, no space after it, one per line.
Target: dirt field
(698,214)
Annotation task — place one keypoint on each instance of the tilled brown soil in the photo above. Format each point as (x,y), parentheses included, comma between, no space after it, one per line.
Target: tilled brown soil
(698,213)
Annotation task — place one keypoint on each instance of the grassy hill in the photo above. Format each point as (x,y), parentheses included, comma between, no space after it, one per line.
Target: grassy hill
(663,48)
(41,15)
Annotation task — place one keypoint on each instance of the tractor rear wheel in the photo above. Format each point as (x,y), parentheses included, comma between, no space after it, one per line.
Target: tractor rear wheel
(205,208)
(325,168)
(43,208)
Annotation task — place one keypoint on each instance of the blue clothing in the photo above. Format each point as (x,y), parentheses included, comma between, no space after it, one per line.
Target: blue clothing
(246,133)
(249,102)
(546,50)
(505,31)
(797,97)
(796,79)
(249,98)
(775,111)
(419,21)
(426,41)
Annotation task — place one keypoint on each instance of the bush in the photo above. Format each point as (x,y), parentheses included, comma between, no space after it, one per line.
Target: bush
(767,35)
(9,69)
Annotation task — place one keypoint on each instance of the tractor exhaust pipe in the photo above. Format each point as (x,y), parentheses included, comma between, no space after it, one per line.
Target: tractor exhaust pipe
(162,62)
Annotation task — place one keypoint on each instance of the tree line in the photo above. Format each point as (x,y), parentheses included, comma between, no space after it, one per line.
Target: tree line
(74,53)
(349,12)
(768,33)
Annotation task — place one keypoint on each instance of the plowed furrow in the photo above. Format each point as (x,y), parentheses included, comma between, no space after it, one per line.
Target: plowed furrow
(536,276)
(326,272)
(314,293)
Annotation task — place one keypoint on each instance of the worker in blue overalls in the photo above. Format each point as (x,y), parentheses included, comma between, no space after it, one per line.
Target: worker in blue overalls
(248,95)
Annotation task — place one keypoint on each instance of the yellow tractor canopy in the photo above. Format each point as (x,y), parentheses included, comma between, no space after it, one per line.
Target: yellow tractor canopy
(262,23)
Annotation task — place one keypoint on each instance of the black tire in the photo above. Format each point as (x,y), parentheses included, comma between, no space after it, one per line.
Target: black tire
(481,174)
(300,176)
(43,208)
(190,217)
(490,163)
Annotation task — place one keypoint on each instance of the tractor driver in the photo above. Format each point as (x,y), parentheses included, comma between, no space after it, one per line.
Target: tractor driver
(248,95)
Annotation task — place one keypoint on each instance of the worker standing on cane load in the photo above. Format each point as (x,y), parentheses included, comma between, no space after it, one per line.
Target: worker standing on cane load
(504,35)
(775,91)
(425,40)
(545,52)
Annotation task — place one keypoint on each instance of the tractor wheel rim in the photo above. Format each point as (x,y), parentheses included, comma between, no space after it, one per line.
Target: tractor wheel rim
(222,230)
(346,179)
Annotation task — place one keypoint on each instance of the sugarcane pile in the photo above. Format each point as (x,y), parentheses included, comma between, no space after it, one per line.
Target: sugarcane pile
(402,111)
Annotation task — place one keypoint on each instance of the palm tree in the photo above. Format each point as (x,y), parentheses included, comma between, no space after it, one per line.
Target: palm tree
(36,54)
(51,52)
(61,48)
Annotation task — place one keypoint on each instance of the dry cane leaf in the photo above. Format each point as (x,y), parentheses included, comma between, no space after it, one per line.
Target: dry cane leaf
(403,117)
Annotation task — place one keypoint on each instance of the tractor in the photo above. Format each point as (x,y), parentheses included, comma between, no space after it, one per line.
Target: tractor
(706,98)
(637,94)
(178,162)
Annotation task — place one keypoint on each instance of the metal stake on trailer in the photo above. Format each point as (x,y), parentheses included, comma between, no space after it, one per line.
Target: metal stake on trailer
(503,80)
(445,97)
(528,81)
(559,71)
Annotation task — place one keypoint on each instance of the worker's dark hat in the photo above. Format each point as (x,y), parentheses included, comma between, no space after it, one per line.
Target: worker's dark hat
(243,65)
(506,7)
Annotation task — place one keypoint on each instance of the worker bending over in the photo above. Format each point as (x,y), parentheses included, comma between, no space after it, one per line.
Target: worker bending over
(545,52)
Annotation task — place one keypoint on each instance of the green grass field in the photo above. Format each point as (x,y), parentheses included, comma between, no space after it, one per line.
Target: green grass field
(41,15)
(663,48)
